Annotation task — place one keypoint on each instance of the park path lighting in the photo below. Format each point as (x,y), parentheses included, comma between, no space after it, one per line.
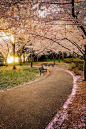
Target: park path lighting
(13,44)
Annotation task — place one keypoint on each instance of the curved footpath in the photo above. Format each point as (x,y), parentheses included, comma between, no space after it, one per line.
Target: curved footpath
(34,105)
(73,113)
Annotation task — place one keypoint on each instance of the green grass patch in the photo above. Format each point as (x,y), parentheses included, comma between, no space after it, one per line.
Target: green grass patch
(11,78)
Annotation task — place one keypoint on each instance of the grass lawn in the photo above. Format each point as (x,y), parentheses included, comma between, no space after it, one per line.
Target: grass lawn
(11,78)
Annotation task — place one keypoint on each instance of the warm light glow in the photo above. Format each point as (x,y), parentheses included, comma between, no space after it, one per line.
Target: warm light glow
(12,38)
(22,57)
(4,36)
(25,58)
(16,59)
(10,59)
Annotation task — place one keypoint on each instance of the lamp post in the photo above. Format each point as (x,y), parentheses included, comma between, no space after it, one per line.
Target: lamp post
(13,44)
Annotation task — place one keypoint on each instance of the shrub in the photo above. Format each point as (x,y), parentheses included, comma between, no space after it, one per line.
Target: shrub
(79,63)
(80,67)
(75,70)
(72,66)
(68,60)
(76,62)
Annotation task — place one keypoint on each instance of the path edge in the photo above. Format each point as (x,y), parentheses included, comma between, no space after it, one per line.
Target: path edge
(62,113)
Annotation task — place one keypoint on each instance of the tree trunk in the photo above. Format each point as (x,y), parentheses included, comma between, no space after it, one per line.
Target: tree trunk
(28,58)
(85,69)
(73,14)
(59,57)
(31,63)
(51,57)
(24,58)
(6,62)
(85,64)
(20,59)
(62,56)
(14,56)
(37,59)
(54,61)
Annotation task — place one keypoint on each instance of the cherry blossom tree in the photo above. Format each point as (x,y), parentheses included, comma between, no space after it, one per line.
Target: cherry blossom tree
(5,46)
(62,22)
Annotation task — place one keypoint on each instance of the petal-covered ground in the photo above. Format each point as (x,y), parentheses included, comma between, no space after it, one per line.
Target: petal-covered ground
(74,115)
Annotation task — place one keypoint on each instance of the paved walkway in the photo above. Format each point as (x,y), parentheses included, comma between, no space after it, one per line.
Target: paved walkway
(34,105)
(72,115)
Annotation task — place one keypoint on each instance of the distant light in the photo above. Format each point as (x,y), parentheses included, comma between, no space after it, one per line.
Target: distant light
(10,59)
(16,59)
